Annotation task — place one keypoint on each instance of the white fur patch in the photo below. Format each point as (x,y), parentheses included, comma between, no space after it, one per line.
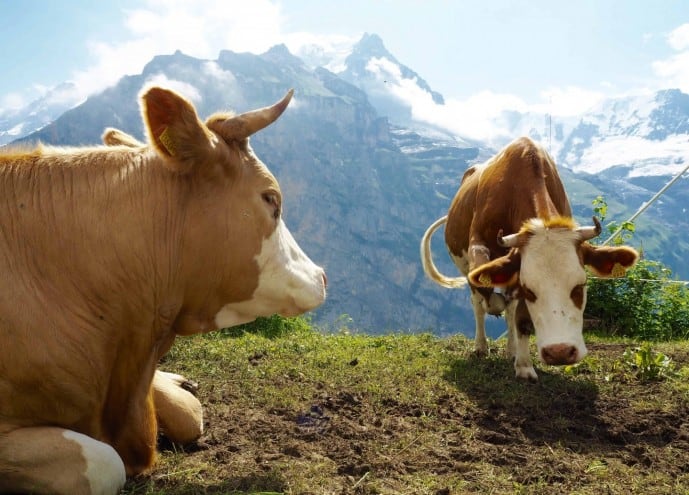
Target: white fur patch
(461,262)
(551,268)
(289,283)
(104,468)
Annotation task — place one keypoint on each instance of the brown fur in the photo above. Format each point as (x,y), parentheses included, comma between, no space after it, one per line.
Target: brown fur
(518,184)
(106,255)
(497,212)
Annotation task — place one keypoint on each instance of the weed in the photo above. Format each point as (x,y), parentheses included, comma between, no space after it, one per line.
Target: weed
(647,364)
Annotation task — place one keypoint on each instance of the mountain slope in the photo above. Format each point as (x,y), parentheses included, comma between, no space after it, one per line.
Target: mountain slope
(353,200)
(17,123)
(363,178)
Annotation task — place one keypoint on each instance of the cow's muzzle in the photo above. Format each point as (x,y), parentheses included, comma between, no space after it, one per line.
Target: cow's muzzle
(560,354)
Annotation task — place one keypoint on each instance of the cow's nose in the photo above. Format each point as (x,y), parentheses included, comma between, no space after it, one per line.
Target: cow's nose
(559,354)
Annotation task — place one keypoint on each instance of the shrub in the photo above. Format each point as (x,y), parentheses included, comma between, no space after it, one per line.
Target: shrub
(646,304)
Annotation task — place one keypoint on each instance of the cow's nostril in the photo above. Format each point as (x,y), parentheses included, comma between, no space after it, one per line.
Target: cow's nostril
(560,354)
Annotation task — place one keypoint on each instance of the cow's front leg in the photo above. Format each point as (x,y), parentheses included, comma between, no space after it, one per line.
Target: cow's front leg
(480,342)
(518,343)
(180,416)
(49,460)
(523,366)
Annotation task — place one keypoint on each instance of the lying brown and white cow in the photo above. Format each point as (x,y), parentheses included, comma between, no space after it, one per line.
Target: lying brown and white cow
(107,254)
(539,266)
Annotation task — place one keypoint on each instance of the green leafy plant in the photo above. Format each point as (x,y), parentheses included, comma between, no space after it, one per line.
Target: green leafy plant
(647,303)
(647,364)
(626,228)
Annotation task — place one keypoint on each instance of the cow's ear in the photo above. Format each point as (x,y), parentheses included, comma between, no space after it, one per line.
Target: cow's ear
(116,137)
(606,261)
(500,272)
(174,129)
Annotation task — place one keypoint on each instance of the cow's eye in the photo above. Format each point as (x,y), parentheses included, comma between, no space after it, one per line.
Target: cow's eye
(528,294)
(272,199)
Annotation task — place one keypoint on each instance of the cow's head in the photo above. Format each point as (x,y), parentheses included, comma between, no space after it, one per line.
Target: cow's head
(546,263)
(238,260)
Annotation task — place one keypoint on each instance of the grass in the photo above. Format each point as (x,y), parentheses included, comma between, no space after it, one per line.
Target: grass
(297,411)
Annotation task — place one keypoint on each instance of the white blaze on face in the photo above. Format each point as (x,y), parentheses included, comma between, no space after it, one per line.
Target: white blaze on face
(289,283)
(551,270)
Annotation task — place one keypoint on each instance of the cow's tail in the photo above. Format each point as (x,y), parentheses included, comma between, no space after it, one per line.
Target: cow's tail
(427,260)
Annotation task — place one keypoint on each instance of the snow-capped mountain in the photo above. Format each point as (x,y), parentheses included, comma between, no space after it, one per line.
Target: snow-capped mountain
(645,135)
(365,171)
(17,123)
(637,136)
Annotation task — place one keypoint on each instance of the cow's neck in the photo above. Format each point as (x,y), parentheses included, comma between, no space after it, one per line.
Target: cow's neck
(101,239)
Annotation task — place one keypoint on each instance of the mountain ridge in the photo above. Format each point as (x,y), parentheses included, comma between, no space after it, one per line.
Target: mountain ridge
(363,178)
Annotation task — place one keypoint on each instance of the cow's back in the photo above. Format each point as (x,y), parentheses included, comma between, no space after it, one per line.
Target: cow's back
(519,183)
(71,294)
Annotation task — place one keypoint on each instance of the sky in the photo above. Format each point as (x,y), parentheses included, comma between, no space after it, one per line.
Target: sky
(563,54)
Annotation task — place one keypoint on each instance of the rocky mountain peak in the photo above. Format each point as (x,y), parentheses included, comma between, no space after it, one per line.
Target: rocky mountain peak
(280,54)
(371,45)
(362,179)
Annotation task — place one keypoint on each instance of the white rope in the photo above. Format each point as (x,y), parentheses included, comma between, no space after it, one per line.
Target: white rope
(661,281)
(647,204)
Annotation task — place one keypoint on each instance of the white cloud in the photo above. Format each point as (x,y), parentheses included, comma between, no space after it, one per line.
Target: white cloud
(13,101)
(649,157)
(212,69)
(673,72)
(202,28)
(477,117)
(197,28)
(679,37)
(486,115)
(567,101)
(188,90)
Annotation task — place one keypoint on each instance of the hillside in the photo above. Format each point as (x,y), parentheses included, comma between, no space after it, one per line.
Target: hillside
(363,177)
(301,412)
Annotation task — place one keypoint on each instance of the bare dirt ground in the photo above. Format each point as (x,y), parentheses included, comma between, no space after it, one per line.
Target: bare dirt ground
(477,430)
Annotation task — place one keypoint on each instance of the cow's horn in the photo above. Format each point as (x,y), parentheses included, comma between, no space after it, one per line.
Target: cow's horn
(244,125)
(508,241)
(590,232)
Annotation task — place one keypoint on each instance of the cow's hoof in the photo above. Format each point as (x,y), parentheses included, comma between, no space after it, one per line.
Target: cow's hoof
(481,353)
(526,373)
(181,381)
(190,386)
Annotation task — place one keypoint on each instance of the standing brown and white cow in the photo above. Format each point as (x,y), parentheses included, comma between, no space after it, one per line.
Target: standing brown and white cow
(107,254)
(539,266)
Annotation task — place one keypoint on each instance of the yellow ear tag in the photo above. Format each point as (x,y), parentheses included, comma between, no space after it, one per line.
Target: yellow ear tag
(166,140)
(485,280)
(618,270)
